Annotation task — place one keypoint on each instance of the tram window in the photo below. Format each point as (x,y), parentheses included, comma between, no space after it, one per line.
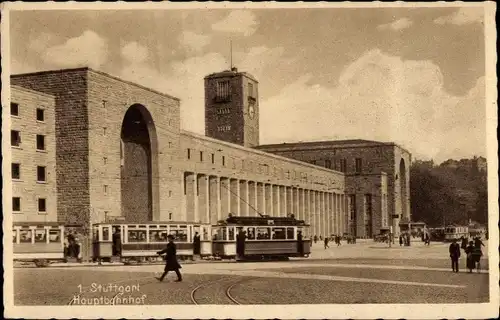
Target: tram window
(180,235)
(251,234)
(157,236)
(290,234)
(279,233)
(95,234)
(231,234)
(105,234)
(204,234)
(55,236)
(215,234)
(137,236)
(25,236)
(263,233)
(224,234)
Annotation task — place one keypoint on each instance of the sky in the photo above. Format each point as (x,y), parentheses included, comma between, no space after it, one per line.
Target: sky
(413,76)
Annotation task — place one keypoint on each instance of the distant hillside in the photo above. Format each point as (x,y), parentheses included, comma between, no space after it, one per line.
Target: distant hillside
(452,192)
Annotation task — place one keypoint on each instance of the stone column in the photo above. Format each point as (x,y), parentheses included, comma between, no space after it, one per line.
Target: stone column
(300,213)
(275,198)
(244,201)
(283,201)
(261,199)
(225,197)
(296,201)
(314,221)
(203,208)
(252,199)
(318,213)
(335,211)
(214,202)
(289,201)
(191,203)
(270,199)
(325,214)
(235,197)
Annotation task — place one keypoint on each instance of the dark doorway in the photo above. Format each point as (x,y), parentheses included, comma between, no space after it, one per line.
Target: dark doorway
(136,160)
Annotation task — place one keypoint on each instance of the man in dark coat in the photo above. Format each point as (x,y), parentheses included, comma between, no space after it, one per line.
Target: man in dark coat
(171,263)
(454,255)
(117,243)
(196,243)
(300,243)
(240,243)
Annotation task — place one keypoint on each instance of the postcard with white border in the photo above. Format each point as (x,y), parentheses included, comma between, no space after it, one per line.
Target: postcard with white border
(250,160)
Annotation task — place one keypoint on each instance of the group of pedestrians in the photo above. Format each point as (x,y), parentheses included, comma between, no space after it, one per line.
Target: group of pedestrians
(327,240)
(473,252)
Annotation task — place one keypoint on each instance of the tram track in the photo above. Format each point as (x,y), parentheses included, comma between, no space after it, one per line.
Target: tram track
(215,283)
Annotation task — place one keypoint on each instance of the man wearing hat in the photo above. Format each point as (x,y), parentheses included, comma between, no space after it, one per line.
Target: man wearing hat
(171,263)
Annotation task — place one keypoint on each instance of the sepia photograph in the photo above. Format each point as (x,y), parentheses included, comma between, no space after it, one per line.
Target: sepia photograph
(253,160)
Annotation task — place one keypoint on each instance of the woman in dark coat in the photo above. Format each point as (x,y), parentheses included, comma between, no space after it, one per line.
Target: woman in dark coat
(471,263)
(171,263)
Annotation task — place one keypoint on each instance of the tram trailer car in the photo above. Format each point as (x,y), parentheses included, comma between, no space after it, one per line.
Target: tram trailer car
(38,242)
(140,242)
(455,233)
(260,238)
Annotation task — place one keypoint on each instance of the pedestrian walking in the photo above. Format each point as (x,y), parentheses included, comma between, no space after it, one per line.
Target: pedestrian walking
(196,244)
(471,264)
(464,242)
(171,263)
(477,253)
(454,255)
(326,242)
(400,240)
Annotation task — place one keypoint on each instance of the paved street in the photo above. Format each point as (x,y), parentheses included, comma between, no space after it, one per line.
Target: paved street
(355,273)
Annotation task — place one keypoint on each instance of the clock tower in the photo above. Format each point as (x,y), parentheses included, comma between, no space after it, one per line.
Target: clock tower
(232,107)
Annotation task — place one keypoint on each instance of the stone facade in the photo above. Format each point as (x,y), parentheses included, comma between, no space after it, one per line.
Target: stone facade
(222,178)
(362,159)
(121,153)
(32,115)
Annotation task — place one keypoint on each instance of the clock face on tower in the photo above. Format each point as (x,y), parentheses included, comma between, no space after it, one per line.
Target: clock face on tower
(251,112)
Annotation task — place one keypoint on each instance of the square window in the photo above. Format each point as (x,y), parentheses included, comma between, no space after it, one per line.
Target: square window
(40,174)
(40,142)
(15,138)
(16,204)
(40,114)
(14,109)
(16,171)
(42,205)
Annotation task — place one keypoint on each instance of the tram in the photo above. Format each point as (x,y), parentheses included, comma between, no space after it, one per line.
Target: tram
(260,238)
(456,232)
(38,242)
(141,242)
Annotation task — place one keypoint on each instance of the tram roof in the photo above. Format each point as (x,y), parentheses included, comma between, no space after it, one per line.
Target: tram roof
(150,223)
(44,223)
(263,221)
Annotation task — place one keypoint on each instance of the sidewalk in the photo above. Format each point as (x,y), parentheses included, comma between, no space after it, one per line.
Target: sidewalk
(377,250)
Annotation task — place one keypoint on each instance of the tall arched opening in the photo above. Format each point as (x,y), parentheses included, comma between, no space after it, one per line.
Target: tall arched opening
(139,166)
(403,191)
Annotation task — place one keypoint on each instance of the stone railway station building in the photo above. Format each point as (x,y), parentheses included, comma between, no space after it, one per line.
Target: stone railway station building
(90,147)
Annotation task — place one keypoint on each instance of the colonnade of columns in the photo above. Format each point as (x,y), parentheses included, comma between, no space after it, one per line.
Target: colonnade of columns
(210,198)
